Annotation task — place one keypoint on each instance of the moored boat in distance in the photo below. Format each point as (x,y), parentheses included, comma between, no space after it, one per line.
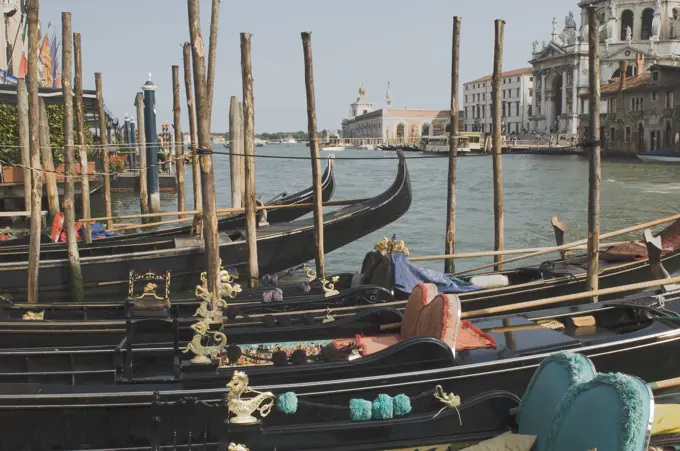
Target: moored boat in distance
(661,156)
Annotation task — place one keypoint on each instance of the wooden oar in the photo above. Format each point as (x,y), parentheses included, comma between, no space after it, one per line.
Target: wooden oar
(503,252)
(578,243)
(666,383)
(570,297)
(223,211)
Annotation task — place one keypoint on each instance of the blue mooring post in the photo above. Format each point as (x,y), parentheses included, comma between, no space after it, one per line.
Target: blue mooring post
(149,89)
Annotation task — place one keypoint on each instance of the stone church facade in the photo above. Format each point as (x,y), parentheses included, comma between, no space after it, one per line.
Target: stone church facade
(630,30)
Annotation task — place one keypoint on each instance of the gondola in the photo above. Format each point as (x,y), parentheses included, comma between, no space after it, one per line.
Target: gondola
(280,246)
(411,388)
(274,216)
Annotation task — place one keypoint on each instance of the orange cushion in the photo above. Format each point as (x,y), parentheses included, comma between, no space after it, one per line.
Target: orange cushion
(440,319)
(370,345)
(421,295)
(470,337)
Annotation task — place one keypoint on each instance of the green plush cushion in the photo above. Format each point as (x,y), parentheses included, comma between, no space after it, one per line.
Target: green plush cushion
(551,381)
(612,412)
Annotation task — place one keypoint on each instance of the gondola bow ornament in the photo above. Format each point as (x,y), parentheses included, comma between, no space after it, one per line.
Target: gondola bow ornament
(243,409)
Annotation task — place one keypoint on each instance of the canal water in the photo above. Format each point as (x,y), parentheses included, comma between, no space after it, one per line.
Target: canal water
(535,187)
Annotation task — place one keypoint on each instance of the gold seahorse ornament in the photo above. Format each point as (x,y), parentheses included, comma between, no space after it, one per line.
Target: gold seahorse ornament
(236,447)
(329,286)
(243,409)
(209,315)
(201,353)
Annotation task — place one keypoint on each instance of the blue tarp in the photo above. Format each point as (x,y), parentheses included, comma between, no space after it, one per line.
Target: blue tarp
(98,231)
(407,276)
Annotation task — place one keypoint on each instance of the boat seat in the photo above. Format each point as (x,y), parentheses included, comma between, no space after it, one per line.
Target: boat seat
(551,381)
(429,314)
(611,412)
(137,355)
(377,269)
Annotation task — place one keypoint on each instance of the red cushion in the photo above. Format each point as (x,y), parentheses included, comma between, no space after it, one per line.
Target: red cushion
(421,295)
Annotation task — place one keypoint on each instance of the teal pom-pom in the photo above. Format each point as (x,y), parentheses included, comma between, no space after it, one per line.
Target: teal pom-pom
(360,409)
(382,407)
(401,404)
(287,403)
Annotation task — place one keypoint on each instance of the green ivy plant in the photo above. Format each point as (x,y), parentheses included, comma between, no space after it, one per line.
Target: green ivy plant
(9,133)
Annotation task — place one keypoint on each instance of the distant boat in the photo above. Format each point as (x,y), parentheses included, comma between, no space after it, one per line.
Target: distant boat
(332,148)
(290,140)
(661,156)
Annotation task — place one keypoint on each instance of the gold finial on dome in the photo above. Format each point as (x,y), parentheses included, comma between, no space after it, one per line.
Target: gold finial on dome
(362,90)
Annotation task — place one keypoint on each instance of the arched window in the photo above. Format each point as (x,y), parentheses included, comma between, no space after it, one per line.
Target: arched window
(425,130)
(626,21)
(400,130)
(647,19)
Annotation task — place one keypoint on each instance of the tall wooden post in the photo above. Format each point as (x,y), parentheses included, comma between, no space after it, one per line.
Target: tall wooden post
(249,152)
(595,174)
(80,129)
(499,240)
(48,162)
(235,152)
(103,141)
(314,152)
(203,110)
(212,51)
(141,149)
(76,276)
(242,159)
(24,139)
(449,265)
(179,150)
(33,9)
(193,128)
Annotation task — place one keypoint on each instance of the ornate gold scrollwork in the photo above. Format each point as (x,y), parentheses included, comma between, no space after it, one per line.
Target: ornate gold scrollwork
(244,408)
(150,289)
(329,286)
(201,353)
(33,316)
(388,246)
(309,272)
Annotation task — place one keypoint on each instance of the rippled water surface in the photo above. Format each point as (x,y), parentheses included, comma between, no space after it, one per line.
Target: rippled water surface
(535,188)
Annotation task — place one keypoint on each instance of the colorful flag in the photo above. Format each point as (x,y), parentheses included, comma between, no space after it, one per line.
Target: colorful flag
(47,62)
(23,66)
(54,61)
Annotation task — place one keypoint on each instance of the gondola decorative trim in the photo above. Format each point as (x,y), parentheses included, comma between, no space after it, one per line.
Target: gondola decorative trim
(244,408)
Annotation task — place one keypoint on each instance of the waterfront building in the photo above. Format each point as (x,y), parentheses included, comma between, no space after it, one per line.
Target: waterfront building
(392,125)
(642,110)
(650,28)
(516,99)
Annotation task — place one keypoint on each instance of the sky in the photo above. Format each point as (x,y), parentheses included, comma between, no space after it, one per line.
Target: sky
(354,41)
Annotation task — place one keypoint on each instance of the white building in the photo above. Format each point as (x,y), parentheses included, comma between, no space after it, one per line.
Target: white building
(649,28)
(11,43)
(391,125)
(516,102)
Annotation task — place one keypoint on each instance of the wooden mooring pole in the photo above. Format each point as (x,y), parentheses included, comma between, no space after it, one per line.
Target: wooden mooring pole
(249,152)
(449,265)
(204,113)
(76,276)
(48,162)
(314,152)
(141,149)
(104,146)
(80,129)
(195,170)
(595,174)
(33,8)
(235,152)
(499,239)
(179,146)
(24,139)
